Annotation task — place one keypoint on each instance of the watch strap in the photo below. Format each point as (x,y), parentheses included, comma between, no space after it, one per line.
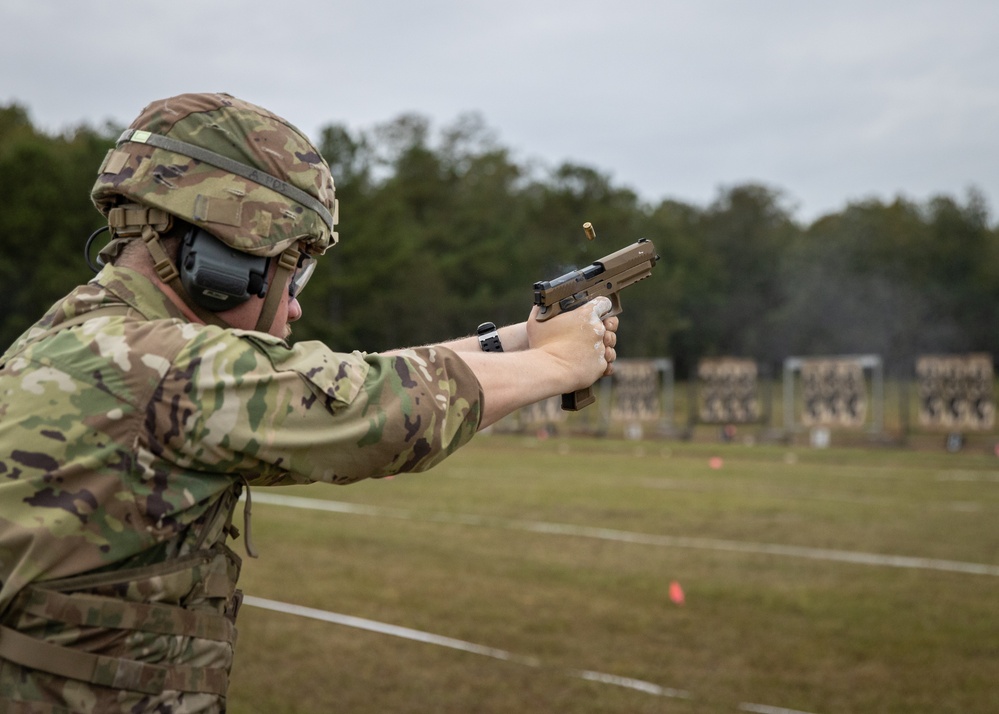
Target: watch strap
(489,339)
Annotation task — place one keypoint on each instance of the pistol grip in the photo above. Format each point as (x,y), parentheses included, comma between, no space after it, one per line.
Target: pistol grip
(574,401)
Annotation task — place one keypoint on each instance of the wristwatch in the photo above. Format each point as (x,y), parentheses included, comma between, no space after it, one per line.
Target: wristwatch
(489,339)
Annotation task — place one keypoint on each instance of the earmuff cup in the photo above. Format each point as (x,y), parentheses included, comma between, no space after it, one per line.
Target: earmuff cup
(216,276)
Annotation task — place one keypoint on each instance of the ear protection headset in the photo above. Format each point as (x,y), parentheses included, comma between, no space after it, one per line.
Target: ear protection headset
(216,276)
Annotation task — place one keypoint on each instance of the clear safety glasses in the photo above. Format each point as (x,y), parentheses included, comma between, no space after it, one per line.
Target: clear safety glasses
(306,267)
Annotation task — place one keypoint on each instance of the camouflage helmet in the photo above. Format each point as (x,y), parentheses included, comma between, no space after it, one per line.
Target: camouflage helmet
(242,173)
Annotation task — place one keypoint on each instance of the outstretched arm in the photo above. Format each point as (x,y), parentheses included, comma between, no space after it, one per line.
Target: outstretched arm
(542,359)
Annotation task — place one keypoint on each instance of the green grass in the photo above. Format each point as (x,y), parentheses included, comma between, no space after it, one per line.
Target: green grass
(756,629)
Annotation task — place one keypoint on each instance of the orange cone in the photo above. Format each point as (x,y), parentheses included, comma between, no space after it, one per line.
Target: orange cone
(676,593)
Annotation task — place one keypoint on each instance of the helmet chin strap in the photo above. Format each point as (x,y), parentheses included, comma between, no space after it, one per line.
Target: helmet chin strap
(286,265)
(167,272)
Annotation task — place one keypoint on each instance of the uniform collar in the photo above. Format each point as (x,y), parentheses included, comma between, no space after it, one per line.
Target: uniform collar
(114,285)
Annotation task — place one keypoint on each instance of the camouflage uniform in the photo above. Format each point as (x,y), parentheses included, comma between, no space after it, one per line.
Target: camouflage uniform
(125,440)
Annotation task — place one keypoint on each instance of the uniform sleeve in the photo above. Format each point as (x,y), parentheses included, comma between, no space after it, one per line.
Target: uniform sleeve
(251,405)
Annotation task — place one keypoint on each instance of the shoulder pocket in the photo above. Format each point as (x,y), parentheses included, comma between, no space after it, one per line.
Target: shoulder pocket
(336,376)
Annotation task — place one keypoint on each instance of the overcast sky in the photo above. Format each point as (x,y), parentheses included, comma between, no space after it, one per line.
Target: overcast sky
(829,102)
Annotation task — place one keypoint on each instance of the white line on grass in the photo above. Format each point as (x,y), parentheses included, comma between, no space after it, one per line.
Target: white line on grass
(385,629)
(450,642)
(793,551)
(972,476)
(764,709)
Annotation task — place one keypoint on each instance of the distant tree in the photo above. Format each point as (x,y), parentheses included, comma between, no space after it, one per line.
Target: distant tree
(894,279)
(735,282)
(45,214)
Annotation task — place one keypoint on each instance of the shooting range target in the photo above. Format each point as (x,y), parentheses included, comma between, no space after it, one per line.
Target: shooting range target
(956,391)
(636,385)
(728,391)
(834,393)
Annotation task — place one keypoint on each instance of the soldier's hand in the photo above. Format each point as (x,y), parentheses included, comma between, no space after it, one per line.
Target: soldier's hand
(580,341)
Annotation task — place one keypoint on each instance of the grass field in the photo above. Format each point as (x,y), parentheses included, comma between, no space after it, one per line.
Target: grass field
(819,581)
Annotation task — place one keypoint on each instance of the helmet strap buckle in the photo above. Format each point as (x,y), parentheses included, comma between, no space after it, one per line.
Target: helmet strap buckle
(164,267)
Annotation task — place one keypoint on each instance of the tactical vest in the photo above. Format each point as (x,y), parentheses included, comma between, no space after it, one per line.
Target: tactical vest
(154,638)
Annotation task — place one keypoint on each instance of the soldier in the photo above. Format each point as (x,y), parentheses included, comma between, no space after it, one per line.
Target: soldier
(139,408)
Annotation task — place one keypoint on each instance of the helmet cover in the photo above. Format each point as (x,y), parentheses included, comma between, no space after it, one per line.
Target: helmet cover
(240,172)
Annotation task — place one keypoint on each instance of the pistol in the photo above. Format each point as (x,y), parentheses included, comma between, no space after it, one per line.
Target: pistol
(607,277)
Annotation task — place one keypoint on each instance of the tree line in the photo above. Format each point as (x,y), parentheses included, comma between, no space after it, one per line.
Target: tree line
(443,228)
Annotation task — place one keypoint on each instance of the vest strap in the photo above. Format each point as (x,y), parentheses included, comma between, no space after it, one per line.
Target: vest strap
(113,672)
(87,610)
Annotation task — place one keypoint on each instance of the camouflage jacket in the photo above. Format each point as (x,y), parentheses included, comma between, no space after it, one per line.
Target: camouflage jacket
(118,433)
